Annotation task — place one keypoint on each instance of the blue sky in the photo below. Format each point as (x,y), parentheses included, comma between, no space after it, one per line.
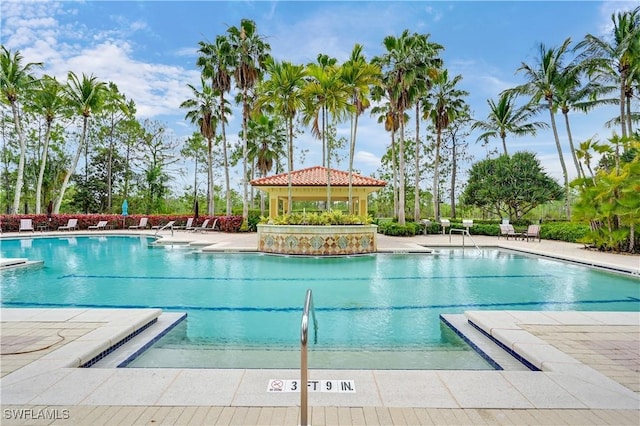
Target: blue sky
(148,48)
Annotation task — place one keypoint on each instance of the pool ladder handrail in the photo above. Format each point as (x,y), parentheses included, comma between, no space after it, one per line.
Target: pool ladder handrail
(304,338)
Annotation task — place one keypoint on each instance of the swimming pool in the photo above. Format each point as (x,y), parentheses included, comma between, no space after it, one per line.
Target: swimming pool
(382,304)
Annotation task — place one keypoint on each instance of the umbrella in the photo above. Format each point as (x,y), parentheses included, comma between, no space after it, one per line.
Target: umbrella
(49,209)
(125,212)
(195,209)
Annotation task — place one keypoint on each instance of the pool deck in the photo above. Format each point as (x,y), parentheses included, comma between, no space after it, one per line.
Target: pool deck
(589,362)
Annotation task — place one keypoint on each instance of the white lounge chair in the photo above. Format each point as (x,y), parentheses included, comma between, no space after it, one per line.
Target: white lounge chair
(101,225)
(201,227)
(188,226)
(72,225)
(141,225)
(26,225)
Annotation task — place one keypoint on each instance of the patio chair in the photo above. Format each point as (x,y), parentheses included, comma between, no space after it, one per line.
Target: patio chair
(101,225)
(532,232)
(201,227)
(214,227)
(26,225)
(141,225)
(507,230)
(72,225)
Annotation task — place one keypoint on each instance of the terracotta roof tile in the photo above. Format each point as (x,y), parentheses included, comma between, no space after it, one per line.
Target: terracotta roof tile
(317,176)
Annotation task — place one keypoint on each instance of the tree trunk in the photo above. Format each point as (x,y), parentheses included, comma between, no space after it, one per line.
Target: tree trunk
(394,172)
(561,157)
(245,193)
(573,150)
(436,165)
(23,153)
(452,190)
(290,161)
(72,169)
(43,163)
(416,204)
(401,218)
(504,144)
(623,78)
(225,160)
(211,204)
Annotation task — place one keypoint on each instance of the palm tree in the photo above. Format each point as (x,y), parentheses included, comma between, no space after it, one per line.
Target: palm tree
(504,117)
(283,92)
(267,138)
(325,96)
(215,62)
(447,106)
(16,80)
(401,77)
(48,101)
(201,113)
(390,118)
(616,59)
(570,94)
(85,97)
(430,65)
(359,76)
(250,52)
(543,79)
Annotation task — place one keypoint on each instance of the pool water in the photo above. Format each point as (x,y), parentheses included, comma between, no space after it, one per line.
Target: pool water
(385,305)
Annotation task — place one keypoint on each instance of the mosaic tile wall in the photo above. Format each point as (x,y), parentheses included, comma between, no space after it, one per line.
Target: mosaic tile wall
(326,241)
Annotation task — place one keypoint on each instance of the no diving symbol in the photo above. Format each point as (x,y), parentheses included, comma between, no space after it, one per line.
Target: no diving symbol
(276,385)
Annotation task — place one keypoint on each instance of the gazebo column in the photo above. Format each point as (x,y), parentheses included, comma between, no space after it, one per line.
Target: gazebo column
(273,205)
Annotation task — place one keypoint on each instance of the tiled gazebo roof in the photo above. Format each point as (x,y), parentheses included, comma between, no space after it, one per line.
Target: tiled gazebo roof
(317,176)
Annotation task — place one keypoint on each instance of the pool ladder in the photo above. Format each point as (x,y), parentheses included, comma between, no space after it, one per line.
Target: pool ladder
(304,335)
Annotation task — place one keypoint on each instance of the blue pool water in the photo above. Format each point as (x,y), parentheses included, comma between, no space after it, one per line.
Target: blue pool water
(255,301)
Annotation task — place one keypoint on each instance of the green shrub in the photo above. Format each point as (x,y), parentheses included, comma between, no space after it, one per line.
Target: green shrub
(396,230)
(564,231)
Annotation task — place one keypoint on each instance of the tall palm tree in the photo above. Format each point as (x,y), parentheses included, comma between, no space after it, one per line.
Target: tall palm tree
(16,80)
(401,77)
(543,78)
(201,112)
(616,59)
(85,97)
(359,77)
(250,52)
(325,97)
(572,94)
(267,137)
(505,117)
(283,92)
(215,61)
(448,104)
(430,64)
(50,103)
(391,121)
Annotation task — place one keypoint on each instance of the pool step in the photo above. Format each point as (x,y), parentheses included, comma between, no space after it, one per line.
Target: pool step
(199,357)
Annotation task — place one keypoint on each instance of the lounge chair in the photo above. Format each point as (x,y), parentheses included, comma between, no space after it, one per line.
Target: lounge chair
(141,225)
(101,225)
(507,230)
(187,227)
(72,225)
(532,232)
(26,225)
(214,227)
(201,227)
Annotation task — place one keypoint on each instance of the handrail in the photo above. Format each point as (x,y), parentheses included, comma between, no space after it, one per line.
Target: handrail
(168,225)
(464,232)
(304,334)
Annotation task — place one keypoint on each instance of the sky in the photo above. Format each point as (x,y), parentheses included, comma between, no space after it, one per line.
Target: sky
(149,49)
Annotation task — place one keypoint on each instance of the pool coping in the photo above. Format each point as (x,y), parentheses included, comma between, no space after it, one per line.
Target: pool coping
(563,382)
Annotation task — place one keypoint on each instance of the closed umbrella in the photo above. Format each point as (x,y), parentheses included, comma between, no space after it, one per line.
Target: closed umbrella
(125,212)
(50,210)
(195,209)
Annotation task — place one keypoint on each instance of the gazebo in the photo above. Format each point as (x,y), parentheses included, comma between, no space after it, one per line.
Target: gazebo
(310,184)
